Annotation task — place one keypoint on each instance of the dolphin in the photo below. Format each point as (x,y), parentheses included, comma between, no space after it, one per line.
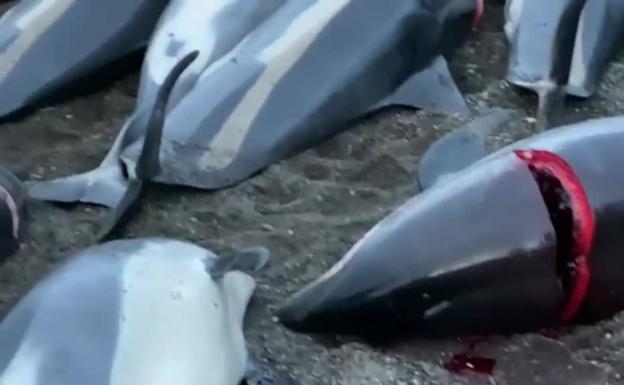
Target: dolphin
(542,40)
(524,238)
(302,76)
(12,198)
(212,28)
(142,311)
(599,39)
(561,47)
(47,46)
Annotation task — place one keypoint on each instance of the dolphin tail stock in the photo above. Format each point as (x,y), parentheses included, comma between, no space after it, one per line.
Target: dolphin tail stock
(433,88)
(148,165)
(550,103)
(461,147)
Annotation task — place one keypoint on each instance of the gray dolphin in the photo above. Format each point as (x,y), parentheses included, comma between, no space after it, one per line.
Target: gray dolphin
(542,36)
(561,47)
(128,312)
(210,27)
(599,38)
(12,198)
(47,45)
(303,75)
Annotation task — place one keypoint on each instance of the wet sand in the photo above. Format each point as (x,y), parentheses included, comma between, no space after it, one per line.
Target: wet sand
(309,210)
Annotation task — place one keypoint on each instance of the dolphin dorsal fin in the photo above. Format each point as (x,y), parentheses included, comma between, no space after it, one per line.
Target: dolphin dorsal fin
(460,148)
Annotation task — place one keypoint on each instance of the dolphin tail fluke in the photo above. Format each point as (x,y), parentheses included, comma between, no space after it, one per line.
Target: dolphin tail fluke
(148,165)
(550,104)
(431,89)
(103,186)
(460,148)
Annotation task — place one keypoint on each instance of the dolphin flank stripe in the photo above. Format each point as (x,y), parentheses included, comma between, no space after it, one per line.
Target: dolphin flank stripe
(46,17)
(226,144)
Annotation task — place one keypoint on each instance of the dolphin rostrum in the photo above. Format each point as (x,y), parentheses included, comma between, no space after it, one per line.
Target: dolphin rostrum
(525,238)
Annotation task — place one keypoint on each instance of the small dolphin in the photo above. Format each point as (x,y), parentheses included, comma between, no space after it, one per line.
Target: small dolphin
(305,74)
(48,45)
(542,38)
(143,311)
(524,238)
(212,28)
(12,198)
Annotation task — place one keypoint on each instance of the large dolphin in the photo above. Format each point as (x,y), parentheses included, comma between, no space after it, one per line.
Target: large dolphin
(212,28)
(305,74)
(48,45)
(144,311)
(12,198)
(525,238)
(561,47)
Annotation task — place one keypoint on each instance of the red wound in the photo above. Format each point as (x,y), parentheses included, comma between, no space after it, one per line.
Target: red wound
(562,190)
(478,16)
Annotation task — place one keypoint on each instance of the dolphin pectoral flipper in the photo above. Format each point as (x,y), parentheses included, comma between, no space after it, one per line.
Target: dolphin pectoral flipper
(103,186)
(432,89)
(247,260)
(460,148)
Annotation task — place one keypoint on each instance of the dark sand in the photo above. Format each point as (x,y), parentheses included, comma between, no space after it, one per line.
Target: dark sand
(309,210)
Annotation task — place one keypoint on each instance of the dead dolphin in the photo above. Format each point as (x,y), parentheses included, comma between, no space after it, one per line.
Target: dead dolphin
(142,311)
(12,197)
(46,45)
(525,238)
(542,38)
(305,74)
(210,27)
(599,38)
(561,47)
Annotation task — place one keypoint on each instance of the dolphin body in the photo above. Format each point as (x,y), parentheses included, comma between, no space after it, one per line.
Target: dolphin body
(48,45)
(525,238)
(561,47)
(143,311)
(210,27)
(12,198)
(302,75)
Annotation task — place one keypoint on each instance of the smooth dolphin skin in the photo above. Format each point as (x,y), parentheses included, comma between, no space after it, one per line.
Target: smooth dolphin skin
(142,311)
(212,28)
(302,76)
(12,198)
(525,238)
(600,37)
(542,39)
(48,45)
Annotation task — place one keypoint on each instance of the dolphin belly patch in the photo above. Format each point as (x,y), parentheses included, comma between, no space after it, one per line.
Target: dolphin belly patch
(573,219)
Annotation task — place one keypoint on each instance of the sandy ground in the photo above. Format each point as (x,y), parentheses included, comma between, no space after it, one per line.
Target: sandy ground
(309,210)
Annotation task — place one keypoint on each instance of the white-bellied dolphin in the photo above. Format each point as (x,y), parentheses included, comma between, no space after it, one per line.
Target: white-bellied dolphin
(48,45)
(212,28)
(143,311)
(304,74)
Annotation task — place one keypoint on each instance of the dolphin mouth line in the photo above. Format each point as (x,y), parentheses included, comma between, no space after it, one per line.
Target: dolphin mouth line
(573,220)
